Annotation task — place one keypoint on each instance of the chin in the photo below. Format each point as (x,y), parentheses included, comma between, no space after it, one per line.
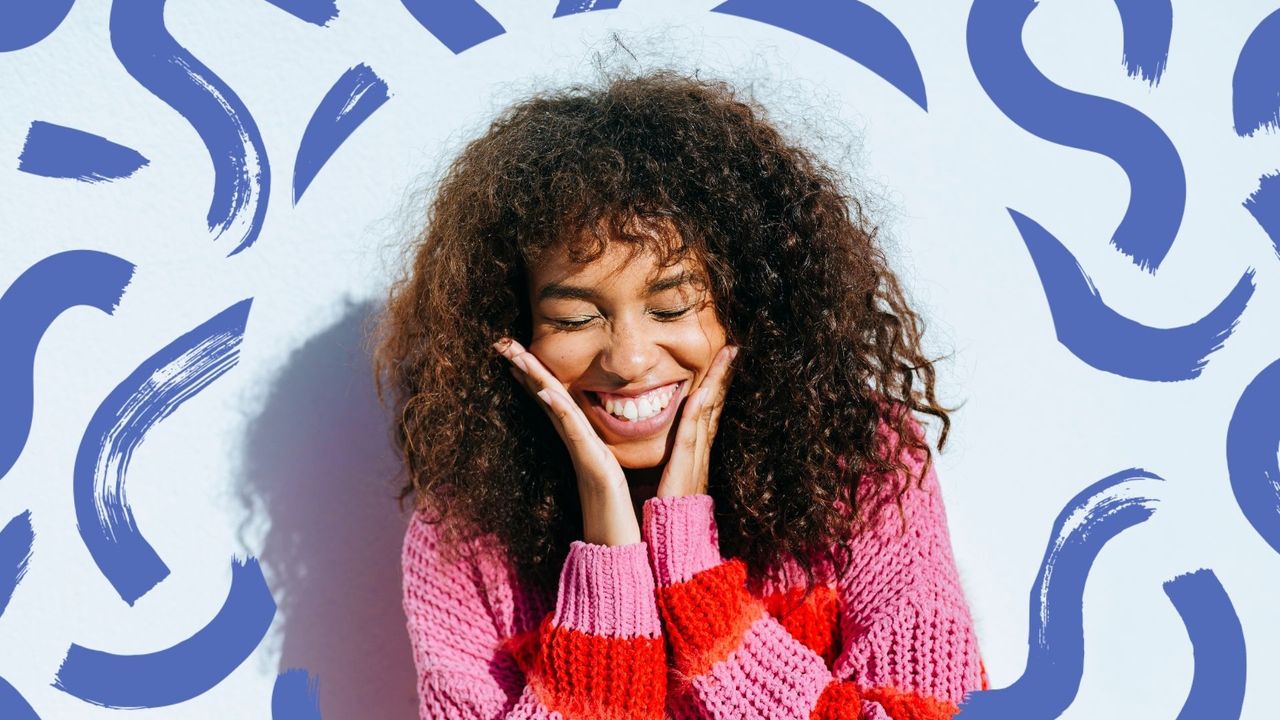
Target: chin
(650,455)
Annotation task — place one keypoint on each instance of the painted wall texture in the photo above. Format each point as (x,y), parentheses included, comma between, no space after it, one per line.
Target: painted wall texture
(202,203)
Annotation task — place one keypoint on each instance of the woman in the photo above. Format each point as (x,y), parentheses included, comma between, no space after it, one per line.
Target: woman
(656,386)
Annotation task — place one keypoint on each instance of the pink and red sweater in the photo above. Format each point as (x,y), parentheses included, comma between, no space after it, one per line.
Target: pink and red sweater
(667,628)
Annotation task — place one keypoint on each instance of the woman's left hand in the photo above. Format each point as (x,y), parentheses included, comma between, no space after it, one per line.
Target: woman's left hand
(687,468)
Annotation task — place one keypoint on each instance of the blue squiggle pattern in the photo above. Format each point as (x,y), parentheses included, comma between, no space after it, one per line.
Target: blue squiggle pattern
(352,99)
(1255,85)
(295,696)
(242,175)
(24,23)
(1108,341)
(61,152)
(1055,656)
(459,24)
(27,309)
(151,393)
(16,541)
(316,12)
(1157,182)
(572,7)
(851,28)
(1217,640)
(185,670)
(1148,27)
(1252,438)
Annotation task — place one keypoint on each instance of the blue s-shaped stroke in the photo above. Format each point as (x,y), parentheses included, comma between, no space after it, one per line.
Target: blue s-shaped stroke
(1108,341)
(1264,205)
(25,23)
(27,309)
(1255,85)
(1055,657)
(185,670)
(1157,182)
(851,28)
(16,541)
(459,24)
(1217,643)
(316,12)
(151,393)
(1253,435)
(352,99)
(295,696)
(242,175)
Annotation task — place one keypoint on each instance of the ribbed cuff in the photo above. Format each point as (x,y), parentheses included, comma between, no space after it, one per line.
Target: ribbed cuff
(608,590)
(681,535)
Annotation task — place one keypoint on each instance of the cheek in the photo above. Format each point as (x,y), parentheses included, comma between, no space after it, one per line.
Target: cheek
(566,358)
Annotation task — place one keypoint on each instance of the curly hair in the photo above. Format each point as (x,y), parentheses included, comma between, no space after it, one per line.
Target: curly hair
(831,352)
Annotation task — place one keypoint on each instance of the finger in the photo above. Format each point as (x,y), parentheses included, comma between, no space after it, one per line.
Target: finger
(684,451)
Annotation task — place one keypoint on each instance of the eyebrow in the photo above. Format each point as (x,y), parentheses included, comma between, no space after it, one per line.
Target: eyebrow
(573,292)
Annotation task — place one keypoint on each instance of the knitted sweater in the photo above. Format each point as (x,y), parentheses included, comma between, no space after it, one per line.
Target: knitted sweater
(667,627)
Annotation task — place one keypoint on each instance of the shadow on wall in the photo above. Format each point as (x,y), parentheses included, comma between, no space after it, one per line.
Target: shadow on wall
(319,463)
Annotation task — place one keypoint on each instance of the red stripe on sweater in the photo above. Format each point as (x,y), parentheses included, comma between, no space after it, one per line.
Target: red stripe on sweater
(839,701)
(586,676)
(814,622)
(706,616)
(901,705)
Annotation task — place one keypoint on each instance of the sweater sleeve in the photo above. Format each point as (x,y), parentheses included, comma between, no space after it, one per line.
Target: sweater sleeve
(907,645)
(600,653)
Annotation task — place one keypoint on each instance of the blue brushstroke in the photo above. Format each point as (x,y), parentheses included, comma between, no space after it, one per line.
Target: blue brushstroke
(352,99)
(1217,643)
(1107,340)
(16,541)
(296,696)
(851,28)
(160,385)
(30,305)
(1055,656)
(572,7)
(1148,28)
(24,23)
(1253,435)
(1264,205)
(1255,85)
(61,152)
(185,670)
(459,24)
(316,12)
(242,176)
(12,705)
(1158,185)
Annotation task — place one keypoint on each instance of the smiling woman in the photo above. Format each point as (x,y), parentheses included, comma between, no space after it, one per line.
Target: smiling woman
(656,390)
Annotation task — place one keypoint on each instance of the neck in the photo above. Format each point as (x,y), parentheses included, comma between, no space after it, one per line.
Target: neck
(643,484)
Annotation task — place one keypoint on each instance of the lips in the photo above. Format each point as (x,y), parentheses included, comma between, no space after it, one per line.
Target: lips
(613,425)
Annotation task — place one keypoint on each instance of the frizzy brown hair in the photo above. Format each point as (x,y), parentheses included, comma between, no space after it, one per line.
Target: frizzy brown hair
(830,355)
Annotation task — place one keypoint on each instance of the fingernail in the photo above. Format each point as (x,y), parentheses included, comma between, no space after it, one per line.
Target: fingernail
(545,396)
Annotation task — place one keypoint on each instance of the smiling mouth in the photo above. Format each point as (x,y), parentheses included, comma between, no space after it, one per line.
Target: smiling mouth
(639,407)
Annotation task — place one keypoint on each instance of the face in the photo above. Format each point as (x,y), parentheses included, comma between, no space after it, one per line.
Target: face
(629,340)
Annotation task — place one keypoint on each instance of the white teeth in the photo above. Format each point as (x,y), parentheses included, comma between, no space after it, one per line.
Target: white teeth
(639,409)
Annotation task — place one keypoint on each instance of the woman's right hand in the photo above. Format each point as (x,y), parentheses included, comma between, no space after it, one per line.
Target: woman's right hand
(608,515)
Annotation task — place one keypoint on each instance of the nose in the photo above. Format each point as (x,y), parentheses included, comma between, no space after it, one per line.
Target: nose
(631,351)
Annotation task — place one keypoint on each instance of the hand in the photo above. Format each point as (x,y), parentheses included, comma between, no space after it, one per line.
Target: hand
(607,515)
(687,468)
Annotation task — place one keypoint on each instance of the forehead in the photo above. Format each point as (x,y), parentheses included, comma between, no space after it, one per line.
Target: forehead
(634,261)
